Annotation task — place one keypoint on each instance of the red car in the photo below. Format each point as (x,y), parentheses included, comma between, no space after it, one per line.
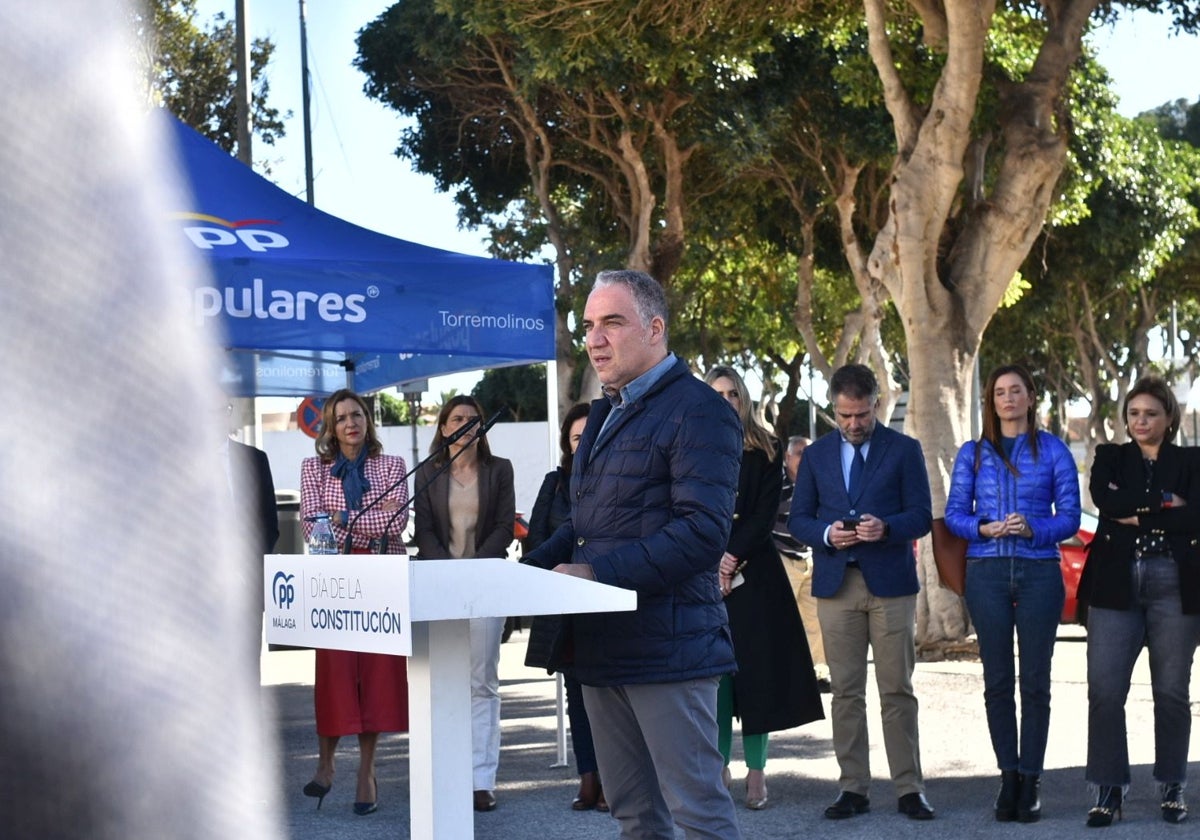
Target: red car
(1072,554)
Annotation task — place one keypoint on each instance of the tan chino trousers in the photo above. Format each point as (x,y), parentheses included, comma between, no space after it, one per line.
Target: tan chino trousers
(852,621)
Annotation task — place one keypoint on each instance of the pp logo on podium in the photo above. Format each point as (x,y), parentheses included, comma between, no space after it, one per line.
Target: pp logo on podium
(283,592)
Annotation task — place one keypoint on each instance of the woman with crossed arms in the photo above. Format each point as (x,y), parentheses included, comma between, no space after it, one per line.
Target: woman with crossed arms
(359,694)
(1142,585)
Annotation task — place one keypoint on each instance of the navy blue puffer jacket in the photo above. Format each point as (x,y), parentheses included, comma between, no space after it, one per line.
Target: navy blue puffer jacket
(652,508)
(1045,491)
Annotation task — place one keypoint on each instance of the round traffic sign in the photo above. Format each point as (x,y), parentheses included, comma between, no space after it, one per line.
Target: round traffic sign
(308,416)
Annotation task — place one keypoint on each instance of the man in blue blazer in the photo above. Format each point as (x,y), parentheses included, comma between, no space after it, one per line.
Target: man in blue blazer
(861,499)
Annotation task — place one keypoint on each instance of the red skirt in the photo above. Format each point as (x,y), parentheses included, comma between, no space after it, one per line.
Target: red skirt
(360,692)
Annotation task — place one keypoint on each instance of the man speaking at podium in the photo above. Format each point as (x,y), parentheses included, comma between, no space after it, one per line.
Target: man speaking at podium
(652,492)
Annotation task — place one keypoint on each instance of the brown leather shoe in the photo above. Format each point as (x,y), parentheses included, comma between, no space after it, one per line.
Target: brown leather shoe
(485,800)
(601,802)
(589,792)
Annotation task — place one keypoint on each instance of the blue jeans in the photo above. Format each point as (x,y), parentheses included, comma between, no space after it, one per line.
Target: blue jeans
(1115,639)
(1003,594)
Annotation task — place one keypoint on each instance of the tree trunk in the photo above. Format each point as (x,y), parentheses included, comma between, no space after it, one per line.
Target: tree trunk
(947,256)
(942,370)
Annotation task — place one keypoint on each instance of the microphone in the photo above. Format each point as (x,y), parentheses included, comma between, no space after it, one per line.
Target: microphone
(452,438)
(491,421)
(412,499)
(458,433)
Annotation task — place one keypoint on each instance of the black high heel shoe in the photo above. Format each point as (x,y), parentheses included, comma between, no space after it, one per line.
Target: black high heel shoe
(1174,809)
(364,808)
(317,791)
(1108,804)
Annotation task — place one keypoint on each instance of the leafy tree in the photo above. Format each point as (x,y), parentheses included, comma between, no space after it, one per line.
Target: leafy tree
(1106,278)
(393,409)
(1178,120)
(610,118)
(808,137)
(592,115)
(521,390)
(190,69)
(977,158)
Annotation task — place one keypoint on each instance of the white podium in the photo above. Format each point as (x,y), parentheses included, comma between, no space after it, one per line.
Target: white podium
(444,595)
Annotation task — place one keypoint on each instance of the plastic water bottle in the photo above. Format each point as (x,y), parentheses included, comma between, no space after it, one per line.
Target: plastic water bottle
(321,539)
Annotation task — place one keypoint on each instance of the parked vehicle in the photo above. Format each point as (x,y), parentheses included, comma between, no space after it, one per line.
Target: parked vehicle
(1072,554)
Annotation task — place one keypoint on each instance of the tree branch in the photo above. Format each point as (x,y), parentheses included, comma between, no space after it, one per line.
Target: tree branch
(899,104)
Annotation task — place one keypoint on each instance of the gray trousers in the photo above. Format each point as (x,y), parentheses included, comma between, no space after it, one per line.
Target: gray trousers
(656,746)
(1156,620)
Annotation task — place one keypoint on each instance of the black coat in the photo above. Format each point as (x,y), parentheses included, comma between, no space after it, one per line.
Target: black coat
(775,687)
(551,509)
(254,497)
(254,505)
(1118,486)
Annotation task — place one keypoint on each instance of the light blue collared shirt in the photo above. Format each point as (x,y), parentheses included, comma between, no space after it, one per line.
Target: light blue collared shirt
(848,457)
(633,391)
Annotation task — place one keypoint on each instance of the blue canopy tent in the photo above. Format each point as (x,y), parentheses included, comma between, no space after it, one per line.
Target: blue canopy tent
(307,303)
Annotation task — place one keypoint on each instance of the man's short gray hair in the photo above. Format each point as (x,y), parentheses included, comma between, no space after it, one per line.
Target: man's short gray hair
(648,294)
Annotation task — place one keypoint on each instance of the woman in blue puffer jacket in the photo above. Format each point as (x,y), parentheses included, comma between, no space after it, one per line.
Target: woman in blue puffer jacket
(1014,495)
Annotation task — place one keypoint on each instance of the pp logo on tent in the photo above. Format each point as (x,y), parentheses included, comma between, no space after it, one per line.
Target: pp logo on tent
(207,237)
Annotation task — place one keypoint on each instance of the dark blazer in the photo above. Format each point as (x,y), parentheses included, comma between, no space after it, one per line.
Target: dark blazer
(497,511)
(254,508)
(1118,487)
(551,509)
(254,496)
(775,687)
(895,488)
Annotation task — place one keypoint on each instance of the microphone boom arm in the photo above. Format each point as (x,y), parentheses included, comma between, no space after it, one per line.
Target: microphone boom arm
(347,544)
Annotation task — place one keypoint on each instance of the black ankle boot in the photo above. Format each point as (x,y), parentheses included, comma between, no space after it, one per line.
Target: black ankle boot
(1174,809)
(1108,805)
(1029,801)
(1006,799)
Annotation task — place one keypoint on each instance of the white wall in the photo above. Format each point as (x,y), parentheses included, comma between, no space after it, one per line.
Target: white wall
(525,444)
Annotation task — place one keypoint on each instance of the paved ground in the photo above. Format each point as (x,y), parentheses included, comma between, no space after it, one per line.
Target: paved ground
(534,795)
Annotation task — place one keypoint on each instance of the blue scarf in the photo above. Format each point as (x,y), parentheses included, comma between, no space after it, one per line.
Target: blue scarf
(353,476)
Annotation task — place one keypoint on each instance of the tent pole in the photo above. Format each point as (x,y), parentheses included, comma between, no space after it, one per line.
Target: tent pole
(553,421)
(552,417)
(304,89)
(412,395)
(243,92)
